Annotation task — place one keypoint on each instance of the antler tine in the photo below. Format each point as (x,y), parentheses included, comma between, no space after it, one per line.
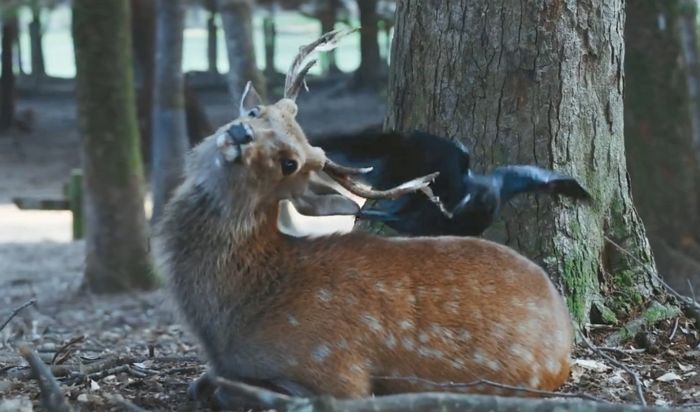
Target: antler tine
(341,175)
(296,73)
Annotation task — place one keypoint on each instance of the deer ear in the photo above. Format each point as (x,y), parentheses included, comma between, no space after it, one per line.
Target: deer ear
(250,99)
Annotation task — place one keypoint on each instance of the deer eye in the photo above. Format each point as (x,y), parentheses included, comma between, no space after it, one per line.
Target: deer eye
(288,166)
(254,112)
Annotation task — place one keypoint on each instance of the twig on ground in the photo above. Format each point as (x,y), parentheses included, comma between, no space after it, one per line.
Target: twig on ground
(57,359)
(673,332)
(485,382)
(51,394)
(17,311)
(622,351)
(633,374)
(692,289)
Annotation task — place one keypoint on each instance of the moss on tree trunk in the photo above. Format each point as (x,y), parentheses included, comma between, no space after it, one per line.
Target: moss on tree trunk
(539,83)
(117,257)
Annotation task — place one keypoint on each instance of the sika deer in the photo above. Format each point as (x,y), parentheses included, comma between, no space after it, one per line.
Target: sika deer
(331,315)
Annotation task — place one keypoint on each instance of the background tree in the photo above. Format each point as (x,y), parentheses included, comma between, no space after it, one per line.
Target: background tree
(212,36)
(237,19)
(369,72)
(170,141)
(537,83)
(143,23)
(35,40)
(116,242)
(661,120)
(8,104)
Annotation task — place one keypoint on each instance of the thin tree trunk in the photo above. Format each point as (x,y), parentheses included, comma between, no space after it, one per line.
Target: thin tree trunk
(661,121)
(687,28)
(7,80)
(116,240)
(270,38)
(198,124)
(169,126)
(212,40)
(143,21)
(237,19)
(538,83)
(328,13)
(35,35)
(370,70)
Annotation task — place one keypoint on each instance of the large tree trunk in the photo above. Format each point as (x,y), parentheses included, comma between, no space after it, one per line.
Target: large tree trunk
(7,80)
(370,70)
(661,120)
(35,34)
(237,19)
(143,23)
(117,256)
(169,136)
(541,83)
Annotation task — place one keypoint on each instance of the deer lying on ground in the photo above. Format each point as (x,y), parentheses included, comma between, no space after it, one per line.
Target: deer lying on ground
(346,315)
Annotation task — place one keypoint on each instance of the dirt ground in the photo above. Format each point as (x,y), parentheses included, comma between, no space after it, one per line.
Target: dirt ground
(105,347)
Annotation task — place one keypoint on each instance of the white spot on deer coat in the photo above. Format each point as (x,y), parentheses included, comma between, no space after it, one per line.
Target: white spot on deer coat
(390,341)
(321,352)
(325,295)
(372,322)
(407,343)
(292,320)
(406,324)
(423,337)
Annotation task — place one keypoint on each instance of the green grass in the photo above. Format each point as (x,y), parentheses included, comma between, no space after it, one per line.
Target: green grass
(293,30)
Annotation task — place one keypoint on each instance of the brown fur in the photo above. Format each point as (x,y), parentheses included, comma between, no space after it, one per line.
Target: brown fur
(337,313)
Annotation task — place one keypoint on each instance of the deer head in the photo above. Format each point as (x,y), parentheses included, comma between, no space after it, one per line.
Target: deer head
(264,155)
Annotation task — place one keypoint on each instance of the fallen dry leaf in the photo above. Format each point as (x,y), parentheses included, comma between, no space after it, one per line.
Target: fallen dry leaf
(592,365)
(669,377)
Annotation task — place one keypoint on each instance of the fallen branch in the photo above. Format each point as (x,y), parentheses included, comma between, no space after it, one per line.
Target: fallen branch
(52,397)
(80,372)
(17,311)
(423,402)
(635,376)
(457,385)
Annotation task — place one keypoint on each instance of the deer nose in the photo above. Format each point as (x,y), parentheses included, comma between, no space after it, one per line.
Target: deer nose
(240,133)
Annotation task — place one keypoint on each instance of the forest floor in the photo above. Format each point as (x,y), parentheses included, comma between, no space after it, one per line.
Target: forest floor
(107,348)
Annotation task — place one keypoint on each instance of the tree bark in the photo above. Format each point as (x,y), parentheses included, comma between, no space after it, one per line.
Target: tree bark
(116,240)
(170,142)
(237,19)
(35,35)
(7,80)
(661,121)
(540,83)
(370,70)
